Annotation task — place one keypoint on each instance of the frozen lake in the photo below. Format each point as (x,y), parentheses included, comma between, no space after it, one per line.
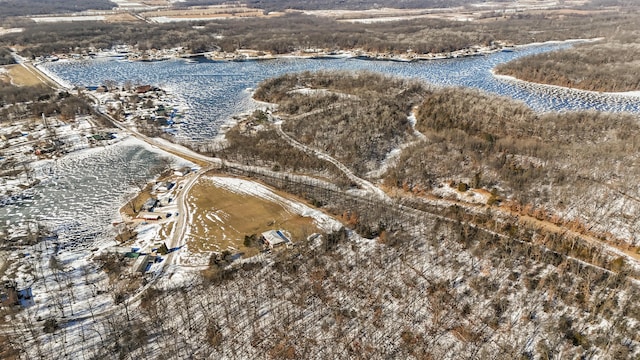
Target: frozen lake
(81,193)
(214,91)
(81,200)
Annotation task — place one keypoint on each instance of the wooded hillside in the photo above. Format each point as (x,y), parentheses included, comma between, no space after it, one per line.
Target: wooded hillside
(567,163)
(356,117)
(604,66)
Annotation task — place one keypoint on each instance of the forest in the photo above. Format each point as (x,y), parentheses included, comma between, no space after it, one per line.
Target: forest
(275,34)
(560,164)
(359,119)
(12,8)
(424,287)
(280,5)
(5,57)
(610,66)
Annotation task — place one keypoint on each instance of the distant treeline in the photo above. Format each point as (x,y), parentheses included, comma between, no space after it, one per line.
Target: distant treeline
(297,31)
(279,5)
(596,67)
(39,7)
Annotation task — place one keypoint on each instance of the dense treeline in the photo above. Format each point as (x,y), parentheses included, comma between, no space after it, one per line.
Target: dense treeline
(276,34)
(279,5)
(5,57)
(24,101)
(555,161)
(38,7)
(611,66)
(497,142)
(11,94)
(356,117)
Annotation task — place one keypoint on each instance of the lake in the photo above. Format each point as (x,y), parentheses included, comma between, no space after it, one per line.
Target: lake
(214,91)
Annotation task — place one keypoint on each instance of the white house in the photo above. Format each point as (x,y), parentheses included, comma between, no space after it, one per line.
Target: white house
(275,238)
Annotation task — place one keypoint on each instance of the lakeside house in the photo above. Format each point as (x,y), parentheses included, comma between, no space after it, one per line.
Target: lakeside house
(143,89)
(150,204)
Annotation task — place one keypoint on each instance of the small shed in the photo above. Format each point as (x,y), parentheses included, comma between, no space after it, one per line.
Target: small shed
(182,171)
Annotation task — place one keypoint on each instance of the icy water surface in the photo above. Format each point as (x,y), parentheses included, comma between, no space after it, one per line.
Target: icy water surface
(216,90)
(80,198)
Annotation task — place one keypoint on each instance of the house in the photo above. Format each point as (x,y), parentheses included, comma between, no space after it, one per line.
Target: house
(102,136)
(149,216)
(132,255)
(182,171)
(163,186)
(275,238)
(143,89)
(143,263)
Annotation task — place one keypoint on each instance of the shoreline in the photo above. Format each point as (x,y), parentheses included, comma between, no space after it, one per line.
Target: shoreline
(50,76)
(513,79)
(243,55)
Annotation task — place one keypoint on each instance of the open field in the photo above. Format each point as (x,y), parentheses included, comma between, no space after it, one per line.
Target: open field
(25,76)
(460,13)
(205,13)
(223,218)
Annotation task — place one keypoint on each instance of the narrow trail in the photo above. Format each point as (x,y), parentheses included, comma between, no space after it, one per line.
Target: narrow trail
(612,249)
(362,183)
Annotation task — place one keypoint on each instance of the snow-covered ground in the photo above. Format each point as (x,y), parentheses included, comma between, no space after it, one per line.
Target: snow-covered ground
(251,188)
(77,201)
(80,194)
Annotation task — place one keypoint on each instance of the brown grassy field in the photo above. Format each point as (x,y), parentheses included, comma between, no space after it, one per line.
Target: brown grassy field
(223,218)
(210,12)
(26,76)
